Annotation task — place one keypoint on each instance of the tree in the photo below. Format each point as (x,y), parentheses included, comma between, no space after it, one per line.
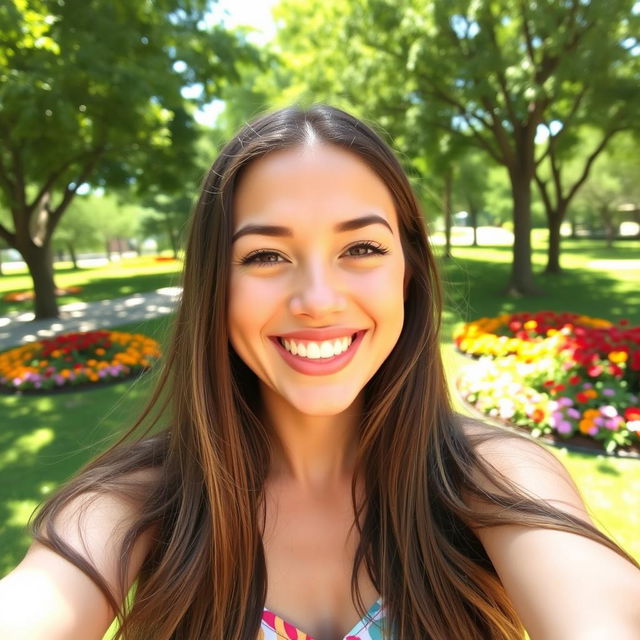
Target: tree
(502,68)
(613,184)
(91,92)
(470,186)
(78,230)
(166,216)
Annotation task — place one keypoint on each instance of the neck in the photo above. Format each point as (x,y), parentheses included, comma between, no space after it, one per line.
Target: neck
(316,453)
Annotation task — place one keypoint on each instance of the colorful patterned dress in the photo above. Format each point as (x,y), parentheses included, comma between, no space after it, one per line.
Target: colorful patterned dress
(369,628)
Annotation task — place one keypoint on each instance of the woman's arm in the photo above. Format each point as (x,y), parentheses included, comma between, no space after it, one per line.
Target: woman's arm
(563,586)
(47,598)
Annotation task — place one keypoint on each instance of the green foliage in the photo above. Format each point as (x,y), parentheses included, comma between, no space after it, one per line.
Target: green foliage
(489,73)
(92,92)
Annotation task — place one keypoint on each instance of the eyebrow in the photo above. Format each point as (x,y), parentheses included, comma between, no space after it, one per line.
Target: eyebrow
(278,231)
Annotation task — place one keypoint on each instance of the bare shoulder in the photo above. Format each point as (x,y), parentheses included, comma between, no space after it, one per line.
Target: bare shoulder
(564,585)
(46,596)
(527,464)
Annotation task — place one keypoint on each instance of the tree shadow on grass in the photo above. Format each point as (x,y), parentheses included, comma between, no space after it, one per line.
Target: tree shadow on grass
(106,288)
(473,289)
(44,440)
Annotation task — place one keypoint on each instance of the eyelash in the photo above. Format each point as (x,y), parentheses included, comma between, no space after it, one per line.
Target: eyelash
(257,257)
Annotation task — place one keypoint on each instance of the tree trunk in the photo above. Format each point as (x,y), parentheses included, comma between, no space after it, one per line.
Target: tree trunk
(521,282)
(473,214)
(554,222)
(446,205)
(173,238)
(72,255)
(40,263)
(107,246)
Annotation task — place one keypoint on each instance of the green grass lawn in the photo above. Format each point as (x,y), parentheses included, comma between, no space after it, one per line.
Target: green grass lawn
(43,440)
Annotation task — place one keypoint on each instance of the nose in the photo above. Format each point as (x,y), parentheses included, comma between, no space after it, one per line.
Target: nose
(318,292)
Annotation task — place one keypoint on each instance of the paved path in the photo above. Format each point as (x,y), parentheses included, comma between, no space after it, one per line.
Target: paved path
(18,327)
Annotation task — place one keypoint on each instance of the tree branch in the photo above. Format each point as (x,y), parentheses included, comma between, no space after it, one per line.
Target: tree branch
(70,192)
(6,181)
(528,38)
(606,138)
(502,81)
(5,234)
(54,175)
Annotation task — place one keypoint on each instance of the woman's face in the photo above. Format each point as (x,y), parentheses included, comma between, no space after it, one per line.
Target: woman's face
(317,280)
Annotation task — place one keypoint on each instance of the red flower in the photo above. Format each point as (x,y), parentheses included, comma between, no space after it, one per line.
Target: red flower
(616,371)
(594,370)
(548,383)
(575,380)
(581,396)
(559,388)
(632,413)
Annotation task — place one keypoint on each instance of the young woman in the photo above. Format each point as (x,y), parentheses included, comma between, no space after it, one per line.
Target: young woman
(306,474)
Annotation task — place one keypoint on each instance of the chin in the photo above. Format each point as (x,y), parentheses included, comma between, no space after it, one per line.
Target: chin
(320,402)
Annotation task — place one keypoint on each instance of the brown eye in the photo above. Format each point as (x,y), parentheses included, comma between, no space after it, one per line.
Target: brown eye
(262,258)
(364,249)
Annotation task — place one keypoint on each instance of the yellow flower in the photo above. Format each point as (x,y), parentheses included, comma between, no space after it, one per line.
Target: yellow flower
(618,357)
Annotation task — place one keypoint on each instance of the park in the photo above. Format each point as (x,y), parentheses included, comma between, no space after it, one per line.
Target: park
(518,129)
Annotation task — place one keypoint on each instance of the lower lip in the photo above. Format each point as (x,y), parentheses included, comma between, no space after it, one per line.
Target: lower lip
(320,366)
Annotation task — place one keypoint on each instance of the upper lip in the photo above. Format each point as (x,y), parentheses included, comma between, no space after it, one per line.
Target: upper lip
(327,333)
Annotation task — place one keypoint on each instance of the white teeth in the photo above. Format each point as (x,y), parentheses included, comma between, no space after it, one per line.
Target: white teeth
(313,350)
(317,350)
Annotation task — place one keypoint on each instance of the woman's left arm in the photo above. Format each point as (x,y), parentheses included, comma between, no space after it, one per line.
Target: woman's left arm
(564,586)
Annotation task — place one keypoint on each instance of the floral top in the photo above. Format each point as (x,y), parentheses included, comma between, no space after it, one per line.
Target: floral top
(369,628)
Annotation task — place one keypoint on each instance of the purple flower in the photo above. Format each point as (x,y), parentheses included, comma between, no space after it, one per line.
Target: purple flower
(564,401)
(59,379)
(573,413)
(564,427)
(612,423)
(593,431)
(599,421)
(608,393)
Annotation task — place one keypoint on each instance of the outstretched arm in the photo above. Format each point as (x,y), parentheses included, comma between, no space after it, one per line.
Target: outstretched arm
(48,598)
(563,585)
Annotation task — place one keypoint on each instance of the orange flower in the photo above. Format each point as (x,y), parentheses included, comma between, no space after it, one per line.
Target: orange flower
(537,415)
(585,426)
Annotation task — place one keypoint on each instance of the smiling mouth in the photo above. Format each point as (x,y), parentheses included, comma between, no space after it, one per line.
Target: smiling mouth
(317,350)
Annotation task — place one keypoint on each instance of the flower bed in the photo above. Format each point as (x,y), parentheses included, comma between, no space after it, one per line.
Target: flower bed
(557,374)
(74,359)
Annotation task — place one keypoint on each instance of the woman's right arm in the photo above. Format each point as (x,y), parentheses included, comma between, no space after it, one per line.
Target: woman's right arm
(48,598)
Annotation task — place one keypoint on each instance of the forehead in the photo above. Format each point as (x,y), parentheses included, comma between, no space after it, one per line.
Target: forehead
(314,183)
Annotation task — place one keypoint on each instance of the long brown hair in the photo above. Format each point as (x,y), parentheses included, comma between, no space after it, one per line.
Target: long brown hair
(205,575)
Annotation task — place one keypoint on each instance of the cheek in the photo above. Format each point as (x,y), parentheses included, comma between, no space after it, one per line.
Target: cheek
(252,302)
